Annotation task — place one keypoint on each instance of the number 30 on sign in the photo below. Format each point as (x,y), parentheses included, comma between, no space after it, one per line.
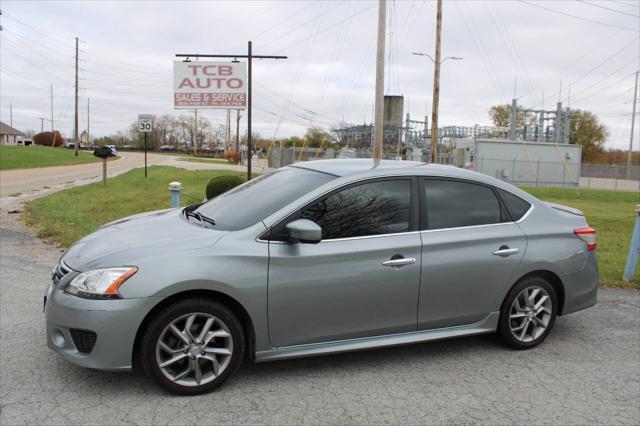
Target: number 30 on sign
(145,122)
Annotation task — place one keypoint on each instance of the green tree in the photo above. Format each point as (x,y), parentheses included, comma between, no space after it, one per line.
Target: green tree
(316,137)
(588,131)
(500,116)
(292,141)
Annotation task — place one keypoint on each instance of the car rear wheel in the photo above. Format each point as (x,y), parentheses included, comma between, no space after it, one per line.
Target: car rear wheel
(528,313)
(192,346)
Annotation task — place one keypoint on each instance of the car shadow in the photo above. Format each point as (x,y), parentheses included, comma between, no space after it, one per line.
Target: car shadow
(446,353)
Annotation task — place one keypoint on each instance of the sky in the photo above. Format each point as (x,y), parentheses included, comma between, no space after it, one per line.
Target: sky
(584,52)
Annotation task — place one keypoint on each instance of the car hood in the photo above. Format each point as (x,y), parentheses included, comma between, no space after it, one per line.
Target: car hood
(130,240)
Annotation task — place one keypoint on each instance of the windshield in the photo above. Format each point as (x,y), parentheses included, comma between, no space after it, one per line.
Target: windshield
(255,200)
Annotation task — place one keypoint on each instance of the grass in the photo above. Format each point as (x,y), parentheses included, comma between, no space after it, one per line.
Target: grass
(21,157)
(204,160)
(95,204)
(611,213)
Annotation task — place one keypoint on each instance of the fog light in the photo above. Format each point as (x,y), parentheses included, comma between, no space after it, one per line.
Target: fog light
(57,338)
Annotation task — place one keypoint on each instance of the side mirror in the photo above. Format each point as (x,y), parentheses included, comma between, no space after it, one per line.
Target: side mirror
(304,231)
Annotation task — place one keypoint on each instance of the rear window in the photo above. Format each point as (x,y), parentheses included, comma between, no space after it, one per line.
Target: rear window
(454,204)
(517,206)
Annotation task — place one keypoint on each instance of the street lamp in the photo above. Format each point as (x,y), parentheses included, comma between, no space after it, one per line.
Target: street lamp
(457,58)
(436,98)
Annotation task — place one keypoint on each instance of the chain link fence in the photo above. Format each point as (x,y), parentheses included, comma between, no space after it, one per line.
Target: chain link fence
(526,173)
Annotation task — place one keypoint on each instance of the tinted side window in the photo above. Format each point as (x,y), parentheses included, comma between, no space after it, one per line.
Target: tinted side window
(381,207)
(516,205)
(451,204)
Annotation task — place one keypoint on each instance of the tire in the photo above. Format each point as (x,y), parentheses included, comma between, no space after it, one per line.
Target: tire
(173,363)
(522,325)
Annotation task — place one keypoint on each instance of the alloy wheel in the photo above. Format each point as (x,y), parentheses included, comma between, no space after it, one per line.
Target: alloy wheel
(194,349)
(530,314)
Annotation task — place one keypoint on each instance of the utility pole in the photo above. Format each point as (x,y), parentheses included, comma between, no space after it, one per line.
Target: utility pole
(75,120)
(53,136)
(238,131)
(249,108)
(633,122)
(195,134)
(378,124)
(250,56)
(227,136)
(10,115)
(41,124)
(51,108)
(436,86)
(88,112)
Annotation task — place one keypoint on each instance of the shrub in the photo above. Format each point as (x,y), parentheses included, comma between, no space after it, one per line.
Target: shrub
(45,138)
(220,184)
(232,157)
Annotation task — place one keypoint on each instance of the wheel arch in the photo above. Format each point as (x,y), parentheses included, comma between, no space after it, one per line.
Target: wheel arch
(552,278)
(235,306)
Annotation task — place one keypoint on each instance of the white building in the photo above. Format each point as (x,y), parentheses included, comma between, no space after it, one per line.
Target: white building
(9,135)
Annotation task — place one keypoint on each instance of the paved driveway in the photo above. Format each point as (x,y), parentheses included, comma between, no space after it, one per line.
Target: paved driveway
(588,371)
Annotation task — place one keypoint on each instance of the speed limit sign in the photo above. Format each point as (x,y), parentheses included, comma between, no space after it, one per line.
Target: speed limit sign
(145,122)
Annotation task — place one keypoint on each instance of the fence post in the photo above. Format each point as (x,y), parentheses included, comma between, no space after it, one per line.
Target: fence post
(175,188)
(634,249)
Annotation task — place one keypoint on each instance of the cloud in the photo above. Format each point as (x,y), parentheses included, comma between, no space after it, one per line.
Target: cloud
(127,51)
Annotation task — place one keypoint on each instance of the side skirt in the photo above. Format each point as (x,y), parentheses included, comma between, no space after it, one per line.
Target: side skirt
(488,325)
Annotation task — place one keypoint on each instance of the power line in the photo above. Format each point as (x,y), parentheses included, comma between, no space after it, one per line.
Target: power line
(608,8)
(302,25)
(47,34)
(512,51)
(330,27)
(593,21)
(605,61)
(481,49)
(604,88)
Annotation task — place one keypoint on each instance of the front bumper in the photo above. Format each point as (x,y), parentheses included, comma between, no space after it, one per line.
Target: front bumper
(115,323)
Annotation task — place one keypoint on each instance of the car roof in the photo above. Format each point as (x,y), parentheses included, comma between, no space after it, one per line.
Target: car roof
(365,167)
(346,167)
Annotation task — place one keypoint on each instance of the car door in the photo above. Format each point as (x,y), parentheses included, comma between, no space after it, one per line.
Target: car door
(470,252)
(361,280)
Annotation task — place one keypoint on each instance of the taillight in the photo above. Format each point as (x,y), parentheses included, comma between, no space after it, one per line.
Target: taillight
(588,235)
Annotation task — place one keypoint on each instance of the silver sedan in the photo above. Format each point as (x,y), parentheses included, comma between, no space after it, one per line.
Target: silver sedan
(316,258)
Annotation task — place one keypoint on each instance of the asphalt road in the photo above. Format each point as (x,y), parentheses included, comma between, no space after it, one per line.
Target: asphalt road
(587,371)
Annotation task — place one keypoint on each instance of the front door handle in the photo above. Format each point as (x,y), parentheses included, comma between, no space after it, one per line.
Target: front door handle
(505,251)
(399,263)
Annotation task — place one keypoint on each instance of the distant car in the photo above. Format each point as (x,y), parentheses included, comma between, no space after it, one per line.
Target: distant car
(167,148)
(316,258)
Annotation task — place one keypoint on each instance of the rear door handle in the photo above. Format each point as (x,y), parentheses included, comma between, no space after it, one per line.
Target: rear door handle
(505,251)
(399,263)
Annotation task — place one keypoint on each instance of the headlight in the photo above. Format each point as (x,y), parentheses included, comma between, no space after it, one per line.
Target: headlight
(100,283)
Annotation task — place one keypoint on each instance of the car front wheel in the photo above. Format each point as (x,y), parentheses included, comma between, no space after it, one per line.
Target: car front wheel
(528,313)
(192,346)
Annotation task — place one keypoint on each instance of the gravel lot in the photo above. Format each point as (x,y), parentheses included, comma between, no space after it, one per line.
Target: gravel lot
(588,371)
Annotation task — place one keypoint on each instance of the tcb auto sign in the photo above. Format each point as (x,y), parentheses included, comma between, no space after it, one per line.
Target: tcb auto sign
(219,85)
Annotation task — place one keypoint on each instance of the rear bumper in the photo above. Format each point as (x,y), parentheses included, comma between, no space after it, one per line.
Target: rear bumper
(115,323)
(581,288)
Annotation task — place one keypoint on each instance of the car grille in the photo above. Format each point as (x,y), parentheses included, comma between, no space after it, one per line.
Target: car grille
(84,340)
(60,271)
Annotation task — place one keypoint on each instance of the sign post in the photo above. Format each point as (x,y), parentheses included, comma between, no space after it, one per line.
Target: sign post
(216,85)
(145,125)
